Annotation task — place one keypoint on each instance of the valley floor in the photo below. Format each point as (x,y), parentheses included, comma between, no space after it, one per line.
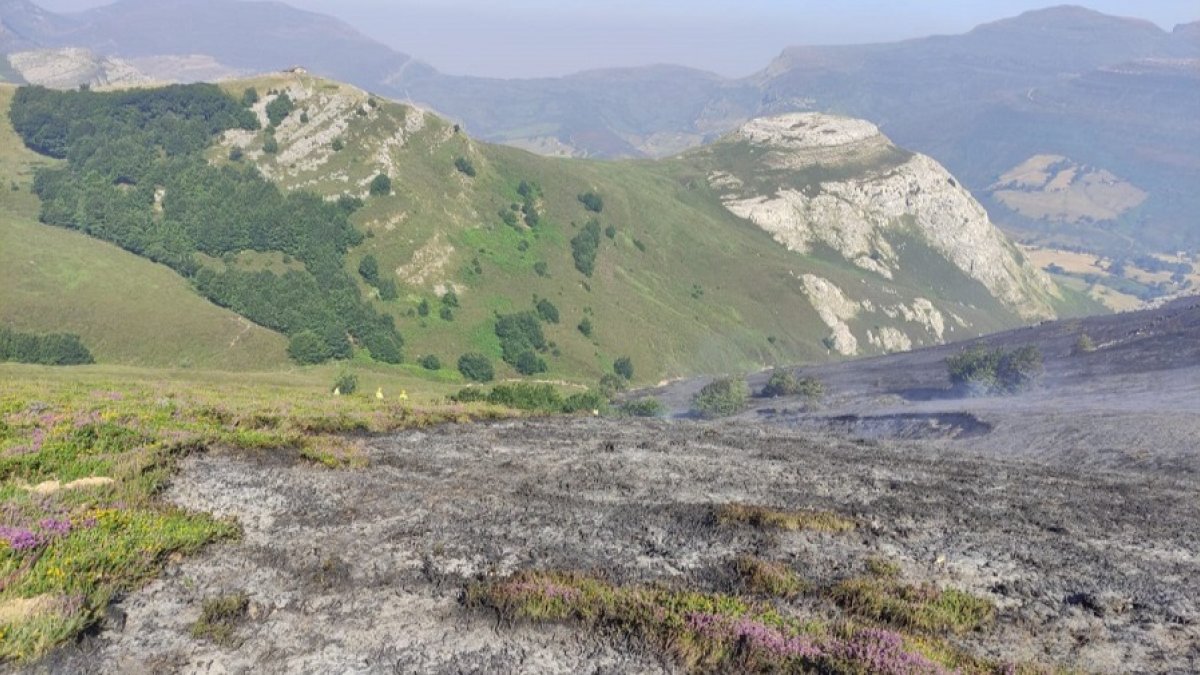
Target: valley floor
(365,570)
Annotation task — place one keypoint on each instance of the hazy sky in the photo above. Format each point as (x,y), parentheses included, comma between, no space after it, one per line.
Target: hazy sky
(523,38)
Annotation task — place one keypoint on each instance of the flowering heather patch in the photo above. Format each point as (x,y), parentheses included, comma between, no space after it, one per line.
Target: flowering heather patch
(20,539)
(717,633)
(764,517)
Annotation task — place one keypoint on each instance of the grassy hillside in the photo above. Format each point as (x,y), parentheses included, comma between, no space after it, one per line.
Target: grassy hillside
(127,309)
(681,285)
(651,266)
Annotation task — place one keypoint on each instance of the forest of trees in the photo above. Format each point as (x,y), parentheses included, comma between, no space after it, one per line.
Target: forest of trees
(136,176)
(56,349)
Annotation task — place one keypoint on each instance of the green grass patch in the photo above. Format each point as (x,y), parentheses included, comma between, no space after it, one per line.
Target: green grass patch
(924,608)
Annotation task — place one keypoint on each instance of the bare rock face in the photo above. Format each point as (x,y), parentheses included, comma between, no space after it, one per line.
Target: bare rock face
(70,67)
(840,183)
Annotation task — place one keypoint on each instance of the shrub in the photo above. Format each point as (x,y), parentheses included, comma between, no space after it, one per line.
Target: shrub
(643,407)
(271,146)
(470,395)
(520,334)
(450,299)
(304,117)
(585,327)
(369,269)
(476,367)
(381,185)
(430,362)
(465,167)
(529,363)
(526,396)
(585,402)
(547,311)
(984,371)
(446,313)
(592,202)
(1084,344)
(585,246)
(236,155)
(423,308)
(721,398)
(338,145)
(388,290)
(785,383)
(279,108)
(611,231)
(249,97)
(541,268)
(346,383)
(308,348)
(509,217)
(624,367)
(612,384)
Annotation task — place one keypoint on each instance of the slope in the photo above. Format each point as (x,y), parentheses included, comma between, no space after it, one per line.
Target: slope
(680,282)
(127,309)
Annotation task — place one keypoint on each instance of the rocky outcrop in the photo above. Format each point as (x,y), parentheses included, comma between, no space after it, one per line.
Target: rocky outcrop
(70,68)
(840,183)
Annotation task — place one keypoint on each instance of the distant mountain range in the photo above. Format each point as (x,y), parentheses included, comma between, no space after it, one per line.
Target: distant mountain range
(1118,95)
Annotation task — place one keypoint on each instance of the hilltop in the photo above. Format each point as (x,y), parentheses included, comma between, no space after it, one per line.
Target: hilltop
(795,239)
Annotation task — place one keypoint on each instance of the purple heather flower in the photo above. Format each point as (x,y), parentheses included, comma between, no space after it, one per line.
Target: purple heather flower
(20,539)
(56,527)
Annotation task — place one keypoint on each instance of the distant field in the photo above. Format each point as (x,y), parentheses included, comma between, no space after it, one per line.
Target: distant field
(127,309)
(1090,273)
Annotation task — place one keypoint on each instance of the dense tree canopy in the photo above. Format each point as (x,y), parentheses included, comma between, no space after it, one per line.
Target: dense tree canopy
(136,176)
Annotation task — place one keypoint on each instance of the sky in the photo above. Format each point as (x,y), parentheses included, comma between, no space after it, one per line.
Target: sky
(533,38)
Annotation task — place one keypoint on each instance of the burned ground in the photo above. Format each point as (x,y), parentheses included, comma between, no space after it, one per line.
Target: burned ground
(364,570)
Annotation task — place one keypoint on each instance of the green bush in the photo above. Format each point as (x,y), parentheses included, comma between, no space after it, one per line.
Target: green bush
(526,396)
(612,384)
(785,383)
(338,145)
(611,231)
(585,402)
(369,269)
(430,362)
(982,371)
(346,383)
(585,246)
(381,185)
(520,337)
(465,166)
(541,268)
(271,146)
(450,299)
(423,308)
(58,349)
(624,367)
(721,398)
(470,395)
(529,363)
(547,311)
(279,108)
(476,367)
(643,407)
(308,348)
(249,97)
(585,327)
(1084,345)
(592,202)
(446,313)
(388,290)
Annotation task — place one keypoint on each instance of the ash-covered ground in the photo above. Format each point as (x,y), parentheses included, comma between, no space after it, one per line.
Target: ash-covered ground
(1073,509)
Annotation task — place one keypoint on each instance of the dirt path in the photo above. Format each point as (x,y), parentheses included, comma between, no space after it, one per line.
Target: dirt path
(361,571)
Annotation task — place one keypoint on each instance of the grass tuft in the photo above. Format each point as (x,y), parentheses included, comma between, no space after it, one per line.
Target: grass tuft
(767,518)
(220,617)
